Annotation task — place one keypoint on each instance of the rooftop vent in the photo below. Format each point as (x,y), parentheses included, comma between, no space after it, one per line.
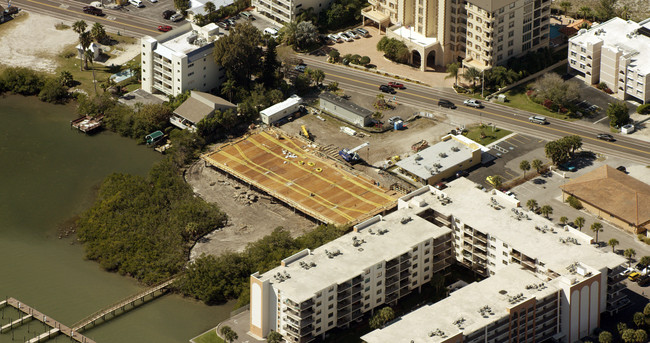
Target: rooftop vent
(405,220)
(442,155)
(503,292)
(455,149)
(332,254)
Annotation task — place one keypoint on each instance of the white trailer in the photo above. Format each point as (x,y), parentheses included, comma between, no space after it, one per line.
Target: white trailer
(280,110)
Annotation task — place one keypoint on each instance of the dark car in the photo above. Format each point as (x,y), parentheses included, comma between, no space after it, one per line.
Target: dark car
(643,281)
(396,85)
(93,10)
(223,25)
(605,137)
(164,28)
(167,14)
(387,89)
(446,104)
(621,169)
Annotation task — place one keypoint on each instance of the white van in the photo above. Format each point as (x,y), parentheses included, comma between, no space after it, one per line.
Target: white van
(271,31)
(136,3)
(538,120)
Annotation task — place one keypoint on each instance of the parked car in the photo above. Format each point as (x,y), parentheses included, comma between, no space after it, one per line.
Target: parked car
(387,89)
(223,25)
(164,28)
(247,15)
(440,185)
(473,103)
(446,104)
(392,120)
(633,276)
(231,21)
(344,36)
(605,137)
(462,173)
(362,32)
(353,34)
(176,17)
(167,14)
(396,85)
(153,1)
(621,169)
(538,120)
(334,38)
(93,10)
(136,3)
(271,31)
(300,68)
(627,272)
(490,179)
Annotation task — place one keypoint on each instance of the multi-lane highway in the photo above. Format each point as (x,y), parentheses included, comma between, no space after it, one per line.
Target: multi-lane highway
(425,98)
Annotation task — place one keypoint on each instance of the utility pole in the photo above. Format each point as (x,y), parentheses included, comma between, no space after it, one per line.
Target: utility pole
(483,84)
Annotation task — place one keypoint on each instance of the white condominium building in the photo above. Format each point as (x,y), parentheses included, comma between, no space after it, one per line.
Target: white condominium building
(544,281)
(181,60)
(285,11)
(382,260)
(616,53)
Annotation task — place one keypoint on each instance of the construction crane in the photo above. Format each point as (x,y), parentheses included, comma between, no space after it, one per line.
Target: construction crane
(351,155)
(305,132)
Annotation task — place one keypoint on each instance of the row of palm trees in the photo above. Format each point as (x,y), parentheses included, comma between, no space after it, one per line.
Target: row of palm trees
(97,33)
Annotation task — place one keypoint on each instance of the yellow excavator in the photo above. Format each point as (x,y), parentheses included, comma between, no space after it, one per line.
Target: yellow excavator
(304,132)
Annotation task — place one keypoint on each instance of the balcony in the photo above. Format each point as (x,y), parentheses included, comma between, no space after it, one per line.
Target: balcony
(343,304)
(405,265)
(392,297)
(613,288)
(392,289)
(392,263)
(342,313)
(344,286)
(615,278)
(391,280)
(357,279)
(404,274)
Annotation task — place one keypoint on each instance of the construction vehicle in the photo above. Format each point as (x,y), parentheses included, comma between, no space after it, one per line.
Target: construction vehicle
(351,155)
(419,146)
(304,132)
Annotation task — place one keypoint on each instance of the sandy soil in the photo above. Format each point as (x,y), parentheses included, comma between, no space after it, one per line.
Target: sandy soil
(248,220)
(33,42)
(122,55)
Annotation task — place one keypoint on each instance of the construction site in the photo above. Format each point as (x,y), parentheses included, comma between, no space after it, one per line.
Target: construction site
(298,173)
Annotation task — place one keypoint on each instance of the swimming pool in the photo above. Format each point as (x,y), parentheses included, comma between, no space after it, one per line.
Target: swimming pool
(555,31)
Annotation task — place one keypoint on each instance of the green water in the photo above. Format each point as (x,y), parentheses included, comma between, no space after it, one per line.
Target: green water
(48,173)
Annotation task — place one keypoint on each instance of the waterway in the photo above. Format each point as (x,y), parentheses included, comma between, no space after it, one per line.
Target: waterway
(49,173)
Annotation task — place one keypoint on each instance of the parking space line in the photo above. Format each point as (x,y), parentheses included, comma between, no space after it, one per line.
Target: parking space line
(601,119)
(511,174)
(511,143)
(516,139)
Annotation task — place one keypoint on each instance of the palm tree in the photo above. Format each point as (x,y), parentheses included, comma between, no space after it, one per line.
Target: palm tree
(613,243)
(98,32)
(565,5)
(546,210)
(209,7)
(597,227)
(564,220)
(66,79)
(88,57)
(497,181)
(531,204)
(471,74)
(85,39)
(525,166)
(645,261)
(288,33)
(537,164)
(625,12)
(318,76)
(135,67)
(79,26)
(228,88)
(629,253)
(453,70)
(228,334)
(585,11)
(580,222)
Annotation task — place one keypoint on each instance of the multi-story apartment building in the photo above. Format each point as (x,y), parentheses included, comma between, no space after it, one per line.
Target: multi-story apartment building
(484,33)
(181,60)
(544,281)
(614,53)
(381,261)
(285,11)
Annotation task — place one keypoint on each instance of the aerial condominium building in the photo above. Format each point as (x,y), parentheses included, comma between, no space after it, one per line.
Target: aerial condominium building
(286,11)
(181,60)
(613,53)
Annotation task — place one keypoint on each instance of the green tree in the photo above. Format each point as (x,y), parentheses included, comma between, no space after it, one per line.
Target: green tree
(556,151)
(53,91)
(240,53)
(66,79)
(135,67)
(270,65)
(546,210)
(182,6)
(333,86)
(88,58)
(585,12)
(639,319)
(640,335)
(274,337)
(613,243)
(85,39)
(531,204)
(79,26)
(500,76)
(620,328)
(228,88)
(597,227)
(98,33)
(497,181)
(453,70)
(573,143)
(317,75)
(471,74)
(524,166)
(334,55)
(624,12)
(645,261)
(646,309)
(565,5)
(605,337)
(618,114)
(288,33)
(606,10)
(629,253)
(580,222)
(228,333)
(302,83)
(537,164)
(382,317)
(564,220)
(306,34)
(560,92)
(209,8)
(393,49)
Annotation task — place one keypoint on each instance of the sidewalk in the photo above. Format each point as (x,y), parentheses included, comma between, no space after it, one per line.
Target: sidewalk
(240,323)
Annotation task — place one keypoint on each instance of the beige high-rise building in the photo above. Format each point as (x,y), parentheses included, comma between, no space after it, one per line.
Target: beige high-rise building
(481,33)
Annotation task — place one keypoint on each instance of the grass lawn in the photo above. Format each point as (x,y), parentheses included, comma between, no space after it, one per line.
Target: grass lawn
(474,133)
(209,337)
(517,99)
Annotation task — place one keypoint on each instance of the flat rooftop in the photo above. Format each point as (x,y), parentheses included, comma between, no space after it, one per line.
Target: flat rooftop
(621,34)
(414,37)
(548,243)
(288,169)
(495,293)
(437,158)
(380,238)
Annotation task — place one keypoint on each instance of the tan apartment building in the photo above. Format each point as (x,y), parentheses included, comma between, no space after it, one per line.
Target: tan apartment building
(615,53)
(285,11)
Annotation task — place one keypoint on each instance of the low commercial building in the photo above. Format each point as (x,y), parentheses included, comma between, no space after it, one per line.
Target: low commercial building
(281,110)
(198,106)
(614,53)
(440,161)
(345,109)
(181,60)
(614,196)
(286,11)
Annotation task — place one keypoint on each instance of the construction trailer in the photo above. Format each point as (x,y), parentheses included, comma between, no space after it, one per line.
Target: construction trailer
(281,110)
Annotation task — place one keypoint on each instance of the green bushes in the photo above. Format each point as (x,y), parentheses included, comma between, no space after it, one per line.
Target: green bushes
(28,82)
(144,227)
(394,50)
(574,202)
(217,279)
(139,123)
(643,109)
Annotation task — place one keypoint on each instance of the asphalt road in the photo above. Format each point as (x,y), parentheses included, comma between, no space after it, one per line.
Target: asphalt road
(425,99)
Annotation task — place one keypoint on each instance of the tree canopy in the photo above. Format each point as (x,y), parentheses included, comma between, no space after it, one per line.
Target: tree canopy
(240,53)
(394,49)
(618,113)
(552,87)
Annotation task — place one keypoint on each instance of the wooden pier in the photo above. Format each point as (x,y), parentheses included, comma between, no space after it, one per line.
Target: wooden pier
(74,332)
(87,124)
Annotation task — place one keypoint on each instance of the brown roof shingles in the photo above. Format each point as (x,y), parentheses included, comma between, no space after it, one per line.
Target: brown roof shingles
(615,192)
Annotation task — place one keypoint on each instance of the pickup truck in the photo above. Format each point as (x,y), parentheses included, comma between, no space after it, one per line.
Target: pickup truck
(93,10)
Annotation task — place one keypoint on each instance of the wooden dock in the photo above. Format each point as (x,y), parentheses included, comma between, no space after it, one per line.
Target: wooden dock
(74,332)
(88,124)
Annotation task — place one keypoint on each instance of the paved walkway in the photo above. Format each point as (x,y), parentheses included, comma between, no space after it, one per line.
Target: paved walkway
(240,323)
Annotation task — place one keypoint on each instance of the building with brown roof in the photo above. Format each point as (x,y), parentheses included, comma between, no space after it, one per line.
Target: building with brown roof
(613,196)
(198,106)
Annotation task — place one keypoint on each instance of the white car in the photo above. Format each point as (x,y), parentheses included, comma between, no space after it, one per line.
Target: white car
(353,34)
(473,103)
(334,38)
(271,31)
(344,36)
(153,1)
